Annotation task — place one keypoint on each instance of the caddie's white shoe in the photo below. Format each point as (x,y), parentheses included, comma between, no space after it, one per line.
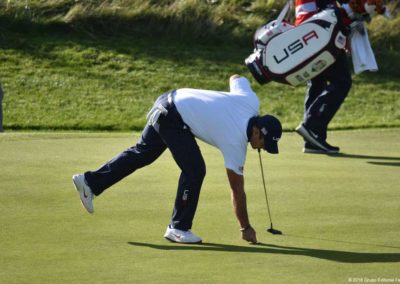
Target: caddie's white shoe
(179,236)
(85,193)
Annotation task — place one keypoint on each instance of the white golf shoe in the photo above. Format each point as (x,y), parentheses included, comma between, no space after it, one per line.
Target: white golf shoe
(179,236)
(85,193)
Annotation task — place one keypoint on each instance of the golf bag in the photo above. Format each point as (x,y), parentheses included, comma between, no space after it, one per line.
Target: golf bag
(292,55)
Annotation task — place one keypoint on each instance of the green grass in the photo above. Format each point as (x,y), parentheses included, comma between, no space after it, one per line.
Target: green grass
(99,66)
(69,82)
(339,214)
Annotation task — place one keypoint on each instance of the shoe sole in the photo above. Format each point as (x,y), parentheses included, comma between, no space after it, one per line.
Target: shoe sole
(314,151)
(90,210)
(317,151)
(173,241)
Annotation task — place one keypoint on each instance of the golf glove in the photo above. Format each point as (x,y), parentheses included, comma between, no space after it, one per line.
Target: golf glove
(154,114)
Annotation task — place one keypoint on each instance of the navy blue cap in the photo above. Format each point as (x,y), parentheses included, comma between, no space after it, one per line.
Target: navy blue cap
(271,128)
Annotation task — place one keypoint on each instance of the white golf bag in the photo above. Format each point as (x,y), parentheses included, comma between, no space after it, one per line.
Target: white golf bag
(293,55)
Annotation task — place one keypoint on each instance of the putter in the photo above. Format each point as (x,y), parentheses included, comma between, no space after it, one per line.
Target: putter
(271,229)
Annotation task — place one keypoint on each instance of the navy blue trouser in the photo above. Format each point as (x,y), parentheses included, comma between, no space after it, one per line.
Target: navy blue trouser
(174,135)
(326,93)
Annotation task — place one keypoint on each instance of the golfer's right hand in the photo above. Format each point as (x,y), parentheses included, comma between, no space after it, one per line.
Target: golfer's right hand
(249,235)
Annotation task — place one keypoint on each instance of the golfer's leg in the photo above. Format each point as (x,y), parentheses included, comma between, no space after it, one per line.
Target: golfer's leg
(146,151)
(187,155)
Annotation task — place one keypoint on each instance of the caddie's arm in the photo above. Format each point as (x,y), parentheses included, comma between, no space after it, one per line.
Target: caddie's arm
(239,204)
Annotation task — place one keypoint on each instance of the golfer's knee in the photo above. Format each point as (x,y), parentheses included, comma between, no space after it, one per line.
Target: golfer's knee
(198,174)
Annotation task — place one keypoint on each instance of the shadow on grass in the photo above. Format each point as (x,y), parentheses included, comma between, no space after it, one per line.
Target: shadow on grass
(344,155)
(332,255)
(344,242)
(385,164)
(396,160)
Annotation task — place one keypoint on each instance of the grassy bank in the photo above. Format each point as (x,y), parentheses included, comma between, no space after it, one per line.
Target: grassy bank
(100,64)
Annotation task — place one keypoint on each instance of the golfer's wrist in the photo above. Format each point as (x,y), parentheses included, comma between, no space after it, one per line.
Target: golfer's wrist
(245,228)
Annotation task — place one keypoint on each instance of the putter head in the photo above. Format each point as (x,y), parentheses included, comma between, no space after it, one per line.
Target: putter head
(274,231)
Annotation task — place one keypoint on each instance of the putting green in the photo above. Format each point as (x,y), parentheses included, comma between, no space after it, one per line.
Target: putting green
(339,214)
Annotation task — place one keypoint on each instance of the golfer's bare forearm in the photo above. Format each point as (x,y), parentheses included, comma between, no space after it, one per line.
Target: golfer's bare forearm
(238,198)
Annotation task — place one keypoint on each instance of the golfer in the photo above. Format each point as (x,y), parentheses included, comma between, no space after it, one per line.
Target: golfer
(226,120)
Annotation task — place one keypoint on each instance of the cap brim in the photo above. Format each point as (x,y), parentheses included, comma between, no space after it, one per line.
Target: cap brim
(272,148)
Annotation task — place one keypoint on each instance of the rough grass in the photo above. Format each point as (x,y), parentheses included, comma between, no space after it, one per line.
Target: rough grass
(67,81)
(339,214)
(199,18)
(100,64)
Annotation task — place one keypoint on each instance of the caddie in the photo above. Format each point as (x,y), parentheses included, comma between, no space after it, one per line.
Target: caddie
(226,120)
(327,91)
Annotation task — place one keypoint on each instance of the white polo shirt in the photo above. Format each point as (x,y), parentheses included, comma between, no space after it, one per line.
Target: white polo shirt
(220,118)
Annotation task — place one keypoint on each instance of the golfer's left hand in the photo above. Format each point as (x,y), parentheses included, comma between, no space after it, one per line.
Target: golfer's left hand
(249,235)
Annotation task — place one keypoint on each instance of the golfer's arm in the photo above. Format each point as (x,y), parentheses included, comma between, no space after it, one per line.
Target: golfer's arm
(238,197)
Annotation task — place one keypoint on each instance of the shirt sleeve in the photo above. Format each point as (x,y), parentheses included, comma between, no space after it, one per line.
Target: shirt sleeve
(234,157)
(240,85)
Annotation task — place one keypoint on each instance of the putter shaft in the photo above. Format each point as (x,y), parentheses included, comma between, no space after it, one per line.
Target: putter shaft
(265,188)
(271,229)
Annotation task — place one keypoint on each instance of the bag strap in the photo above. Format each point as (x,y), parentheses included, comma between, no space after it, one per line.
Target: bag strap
(283,13)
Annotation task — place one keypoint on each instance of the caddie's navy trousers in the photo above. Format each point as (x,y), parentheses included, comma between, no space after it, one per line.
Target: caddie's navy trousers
(326,93)
(171,133)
